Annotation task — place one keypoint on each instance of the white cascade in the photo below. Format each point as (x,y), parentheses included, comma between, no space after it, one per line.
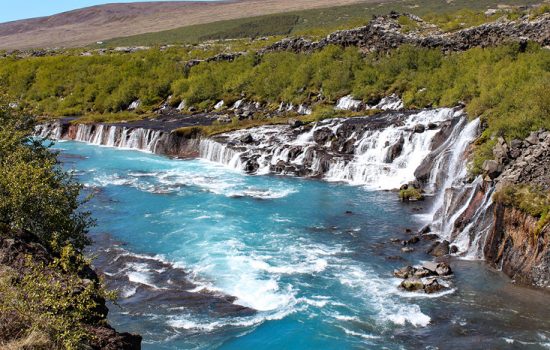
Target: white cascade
(141,139)
(368,165)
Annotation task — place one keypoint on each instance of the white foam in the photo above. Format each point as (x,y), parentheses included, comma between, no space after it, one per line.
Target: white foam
(357,334)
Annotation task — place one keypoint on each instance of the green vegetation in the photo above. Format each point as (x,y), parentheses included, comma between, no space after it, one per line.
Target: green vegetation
(36,194)
(410,194)
(43,301)
(529,199)
(506,86)
(43,305)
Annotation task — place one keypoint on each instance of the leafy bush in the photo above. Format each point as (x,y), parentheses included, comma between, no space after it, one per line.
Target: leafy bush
(52,300)
(36,195)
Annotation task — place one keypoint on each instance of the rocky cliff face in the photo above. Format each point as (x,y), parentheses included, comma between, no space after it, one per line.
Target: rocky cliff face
(504,236)
(513,247)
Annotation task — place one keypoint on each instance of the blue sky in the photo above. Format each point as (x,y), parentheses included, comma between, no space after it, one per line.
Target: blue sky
(11,10)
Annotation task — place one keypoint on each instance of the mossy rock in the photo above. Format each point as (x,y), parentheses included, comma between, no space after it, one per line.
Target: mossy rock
(410,194)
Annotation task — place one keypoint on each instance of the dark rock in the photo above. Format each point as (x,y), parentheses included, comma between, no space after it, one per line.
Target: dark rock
(425,230)
(432,126)
(419,128)
(422,272)
(251,166)
(322,135)
(429,237)
(430,266)
(247,139)
(454,249)
(432,286)
(404,272)
(395,150)
(411,241)
(295,123)
(439,249)
(492,168)
(443,269)
(440,269)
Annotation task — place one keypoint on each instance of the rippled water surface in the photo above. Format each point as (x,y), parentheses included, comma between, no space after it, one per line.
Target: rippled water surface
(206,257)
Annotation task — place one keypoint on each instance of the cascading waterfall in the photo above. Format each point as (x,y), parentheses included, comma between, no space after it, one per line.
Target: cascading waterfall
(281,149)
(367,165)
(382,153)
(142,139)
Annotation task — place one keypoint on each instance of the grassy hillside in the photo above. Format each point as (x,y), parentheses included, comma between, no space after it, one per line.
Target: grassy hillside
(317,22)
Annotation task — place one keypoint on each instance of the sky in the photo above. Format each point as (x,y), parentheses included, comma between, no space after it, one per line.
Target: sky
(11,10)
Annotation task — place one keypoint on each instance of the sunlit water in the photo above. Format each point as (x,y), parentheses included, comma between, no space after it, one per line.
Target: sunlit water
(314,259)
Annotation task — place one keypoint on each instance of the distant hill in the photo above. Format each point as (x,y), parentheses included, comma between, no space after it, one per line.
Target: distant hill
(99,23)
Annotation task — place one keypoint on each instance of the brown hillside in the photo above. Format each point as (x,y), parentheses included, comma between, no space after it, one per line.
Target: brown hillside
(88,25)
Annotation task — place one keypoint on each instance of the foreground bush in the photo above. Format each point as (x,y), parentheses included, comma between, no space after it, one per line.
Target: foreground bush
(36,195)
(50,304)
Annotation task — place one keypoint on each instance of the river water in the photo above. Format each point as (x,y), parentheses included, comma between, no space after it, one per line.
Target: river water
(206,257)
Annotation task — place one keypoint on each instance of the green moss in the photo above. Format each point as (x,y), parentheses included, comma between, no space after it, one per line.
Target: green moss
(410,194)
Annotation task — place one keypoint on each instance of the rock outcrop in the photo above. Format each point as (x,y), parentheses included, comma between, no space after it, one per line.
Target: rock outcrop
(506,237)
(384,33)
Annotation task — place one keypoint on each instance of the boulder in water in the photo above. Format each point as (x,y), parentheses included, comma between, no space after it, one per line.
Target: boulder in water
(395,150)
(412,284)
(247,139)
(419,128)
(439,249)
(322,135)
(432,286)
(404,272)
(422,272)
(440,269)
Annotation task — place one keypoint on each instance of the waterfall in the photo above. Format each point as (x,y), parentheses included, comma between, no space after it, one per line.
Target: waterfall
(147,140)
(373,161)
(217,152)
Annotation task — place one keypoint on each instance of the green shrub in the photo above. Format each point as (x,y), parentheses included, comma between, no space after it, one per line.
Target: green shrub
(36,195)
(52,299)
